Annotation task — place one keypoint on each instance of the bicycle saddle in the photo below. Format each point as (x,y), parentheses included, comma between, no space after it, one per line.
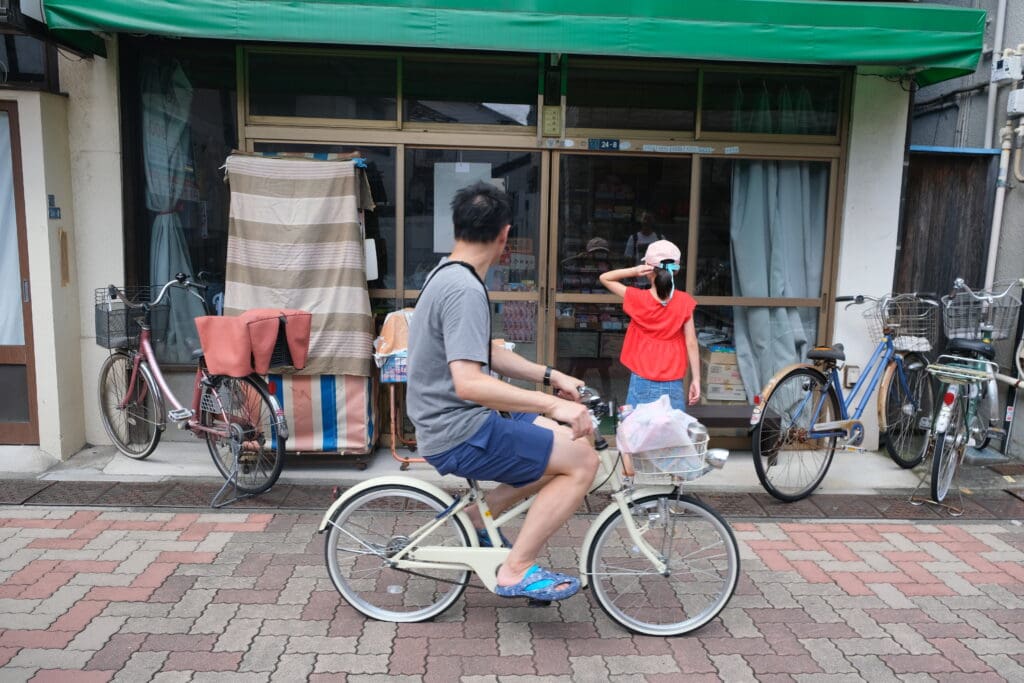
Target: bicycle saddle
(960,346)
(834,352)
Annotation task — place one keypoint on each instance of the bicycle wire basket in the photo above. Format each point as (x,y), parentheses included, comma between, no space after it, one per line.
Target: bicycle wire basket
(665,465)
(966,317)
(913,321)
(118,327)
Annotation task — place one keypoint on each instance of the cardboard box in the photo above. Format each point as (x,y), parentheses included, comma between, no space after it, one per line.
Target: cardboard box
(715,373)
(718,355)
(725,392)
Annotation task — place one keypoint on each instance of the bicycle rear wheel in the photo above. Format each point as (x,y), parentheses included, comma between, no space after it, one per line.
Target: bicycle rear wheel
(368,530)
(135,428)
(907,427)
(949,451)
(692,539)
(790,463)
(240,410)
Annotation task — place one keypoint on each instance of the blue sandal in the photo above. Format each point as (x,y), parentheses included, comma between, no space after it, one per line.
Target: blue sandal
(485,540)
(539,584)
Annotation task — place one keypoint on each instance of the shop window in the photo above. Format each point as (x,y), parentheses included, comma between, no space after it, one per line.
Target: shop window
(611,97)
(610,208)
(741,102)
(27,62)
(588,341)
(432,178)
(486,92)
(179,127)
(762,228)
(381,174)
(742,347)
(323,86)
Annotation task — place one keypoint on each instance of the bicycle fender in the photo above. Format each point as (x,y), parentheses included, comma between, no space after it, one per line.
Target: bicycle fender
(603,517)
(755,416)
(389,480)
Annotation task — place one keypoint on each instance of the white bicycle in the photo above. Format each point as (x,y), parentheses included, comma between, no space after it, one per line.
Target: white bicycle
(658,562)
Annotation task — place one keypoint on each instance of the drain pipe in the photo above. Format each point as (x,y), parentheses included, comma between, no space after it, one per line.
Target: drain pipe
(993,89)
(1006,136)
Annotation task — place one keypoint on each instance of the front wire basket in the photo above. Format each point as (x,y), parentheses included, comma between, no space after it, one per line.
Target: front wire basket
(117,326)
(666,465)
(966,317)
(913,322)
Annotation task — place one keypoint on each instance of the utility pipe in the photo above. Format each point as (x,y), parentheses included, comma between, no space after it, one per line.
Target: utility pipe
(1006,135)
(993,89)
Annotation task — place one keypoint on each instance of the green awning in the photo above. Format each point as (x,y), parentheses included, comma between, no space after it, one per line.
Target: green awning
(934,42)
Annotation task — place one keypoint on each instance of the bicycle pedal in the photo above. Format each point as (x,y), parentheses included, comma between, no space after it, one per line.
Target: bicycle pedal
(534,602)
(180,415)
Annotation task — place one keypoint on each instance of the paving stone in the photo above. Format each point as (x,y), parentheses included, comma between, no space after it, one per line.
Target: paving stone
(141,667)
(294,667)
(733,668)
(590,668)
(263,654)
(351,663)
(827,656)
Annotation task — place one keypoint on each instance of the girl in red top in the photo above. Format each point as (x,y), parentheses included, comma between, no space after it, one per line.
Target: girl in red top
(661,335)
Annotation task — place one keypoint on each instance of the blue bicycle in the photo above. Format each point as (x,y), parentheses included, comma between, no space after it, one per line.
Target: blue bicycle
(802,414)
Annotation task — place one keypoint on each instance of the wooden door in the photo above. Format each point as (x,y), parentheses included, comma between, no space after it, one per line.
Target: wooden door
(18,412)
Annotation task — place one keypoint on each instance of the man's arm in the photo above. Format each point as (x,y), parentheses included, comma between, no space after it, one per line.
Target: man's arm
(511,364)
(471,384)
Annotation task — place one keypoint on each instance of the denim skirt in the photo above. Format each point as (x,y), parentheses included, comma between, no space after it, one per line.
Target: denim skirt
(647,391)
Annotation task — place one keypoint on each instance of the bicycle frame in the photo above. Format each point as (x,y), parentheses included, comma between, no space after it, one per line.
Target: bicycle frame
(484,562)
(869,380)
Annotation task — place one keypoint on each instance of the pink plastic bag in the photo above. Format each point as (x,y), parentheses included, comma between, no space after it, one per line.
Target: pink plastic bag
(652,426)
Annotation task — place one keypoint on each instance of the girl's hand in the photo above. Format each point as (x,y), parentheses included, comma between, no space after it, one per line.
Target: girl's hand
(694,396)
(643,269)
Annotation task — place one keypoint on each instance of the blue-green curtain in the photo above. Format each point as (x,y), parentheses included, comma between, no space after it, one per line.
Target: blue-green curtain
(167,152)
(777,237)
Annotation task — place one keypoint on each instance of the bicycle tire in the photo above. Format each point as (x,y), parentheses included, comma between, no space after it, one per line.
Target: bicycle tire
(948,451)
(793,474)
(135,429)
(905,440)
(703,566)
(372,526)
(244,404)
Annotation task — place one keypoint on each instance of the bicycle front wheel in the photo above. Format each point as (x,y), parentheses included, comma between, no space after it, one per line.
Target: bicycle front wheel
(696,544)
(949,451)
(244,432)
(789,462)
(906,425)
(367,531)
(131,410)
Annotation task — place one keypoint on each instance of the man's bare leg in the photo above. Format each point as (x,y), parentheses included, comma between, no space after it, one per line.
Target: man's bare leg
(570,473)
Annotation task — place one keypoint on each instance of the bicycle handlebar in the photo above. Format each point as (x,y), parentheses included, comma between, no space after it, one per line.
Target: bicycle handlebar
(180,280)
(982,295)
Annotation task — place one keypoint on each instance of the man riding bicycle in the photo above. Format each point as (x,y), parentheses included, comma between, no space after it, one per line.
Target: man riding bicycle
(453,401)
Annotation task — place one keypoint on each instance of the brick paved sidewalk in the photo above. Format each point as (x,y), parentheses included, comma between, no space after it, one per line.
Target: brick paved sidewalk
(166,596)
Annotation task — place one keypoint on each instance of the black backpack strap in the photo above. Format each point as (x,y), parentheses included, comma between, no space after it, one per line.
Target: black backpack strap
(477,277)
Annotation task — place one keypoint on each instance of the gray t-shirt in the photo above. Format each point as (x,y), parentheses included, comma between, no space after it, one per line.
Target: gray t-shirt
(451,322)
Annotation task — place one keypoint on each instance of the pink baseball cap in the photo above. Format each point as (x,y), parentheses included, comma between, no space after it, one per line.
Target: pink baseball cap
(661,251)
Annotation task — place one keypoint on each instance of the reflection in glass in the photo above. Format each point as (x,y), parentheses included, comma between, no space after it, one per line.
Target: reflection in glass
(14,406)
(635,99)
(12,325)
(491,92)
(610,208)
(735,363)
(762,228)
(381,222)
(739,102)
(588,340)
(432,178)
(323,86)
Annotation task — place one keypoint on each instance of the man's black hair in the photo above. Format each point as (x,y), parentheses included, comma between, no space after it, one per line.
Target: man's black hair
(479,212)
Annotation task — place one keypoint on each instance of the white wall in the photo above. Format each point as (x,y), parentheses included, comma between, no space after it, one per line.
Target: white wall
(870,217)
(95,142)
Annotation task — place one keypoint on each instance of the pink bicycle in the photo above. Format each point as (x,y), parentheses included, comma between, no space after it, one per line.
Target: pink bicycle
(244,427)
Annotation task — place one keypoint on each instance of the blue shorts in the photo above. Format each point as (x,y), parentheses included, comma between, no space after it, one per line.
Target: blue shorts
(648,391)
(511,450)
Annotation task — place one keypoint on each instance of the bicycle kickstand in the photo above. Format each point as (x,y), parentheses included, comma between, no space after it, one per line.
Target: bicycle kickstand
(232,480)
(917,500)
